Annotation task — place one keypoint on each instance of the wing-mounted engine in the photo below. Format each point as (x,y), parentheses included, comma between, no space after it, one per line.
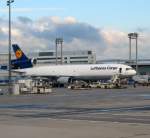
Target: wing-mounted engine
(64,80)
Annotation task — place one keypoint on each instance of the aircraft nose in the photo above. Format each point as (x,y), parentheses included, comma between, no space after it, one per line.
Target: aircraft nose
(133,72)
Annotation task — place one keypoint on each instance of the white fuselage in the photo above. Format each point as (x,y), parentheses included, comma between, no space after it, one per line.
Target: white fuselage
(80,71)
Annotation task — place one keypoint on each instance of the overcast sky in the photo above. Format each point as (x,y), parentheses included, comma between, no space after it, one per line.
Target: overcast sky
(98,25)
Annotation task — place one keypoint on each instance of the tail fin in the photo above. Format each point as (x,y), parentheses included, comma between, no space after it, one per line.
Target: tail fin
(21,61)
(19,53)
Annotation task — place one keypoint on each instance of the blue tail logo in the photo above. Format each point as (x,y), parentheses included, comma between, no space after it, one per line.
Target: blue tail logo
(19,53)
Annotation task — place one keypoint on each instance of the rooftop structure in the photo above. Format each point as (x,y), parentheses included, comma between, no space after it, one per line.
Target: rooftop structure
(49,57)
(69,57)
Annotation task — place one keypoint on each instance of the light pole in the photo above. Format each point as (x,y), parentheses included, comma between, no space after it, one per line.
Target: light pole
(56,41)
(136,38)
(129,35)
(59,41)
(133,36)
(9,2)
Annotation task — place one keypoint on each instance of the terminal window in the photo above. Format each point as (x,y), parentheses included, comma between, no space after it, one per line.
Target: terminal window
(46,54)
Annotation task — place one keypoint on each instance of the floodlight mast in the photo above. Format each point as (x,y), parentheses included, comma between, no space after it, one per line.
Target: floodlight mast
(9,2)
(133,36)
(59,41)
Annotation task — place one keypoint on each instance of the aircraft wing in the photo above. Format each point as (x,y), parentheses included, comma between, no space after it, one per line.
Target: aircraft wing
(4,68)
(18,72)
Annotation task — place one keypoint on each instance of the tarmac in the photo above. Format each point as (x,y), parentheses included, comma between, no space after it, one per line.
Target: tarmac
(64,113)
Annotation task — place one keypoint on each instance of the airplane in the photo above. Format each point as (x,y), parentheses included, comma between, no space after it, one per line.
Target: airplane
(67,73)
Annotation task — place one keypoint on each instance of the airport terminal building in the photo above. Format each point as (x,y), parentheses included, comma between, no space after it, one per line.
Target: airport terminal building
(69,57)
(49,57)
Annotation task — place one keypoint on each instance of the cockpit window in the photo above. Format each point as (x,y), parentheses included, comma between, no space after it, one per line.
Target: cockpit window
(127,69)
